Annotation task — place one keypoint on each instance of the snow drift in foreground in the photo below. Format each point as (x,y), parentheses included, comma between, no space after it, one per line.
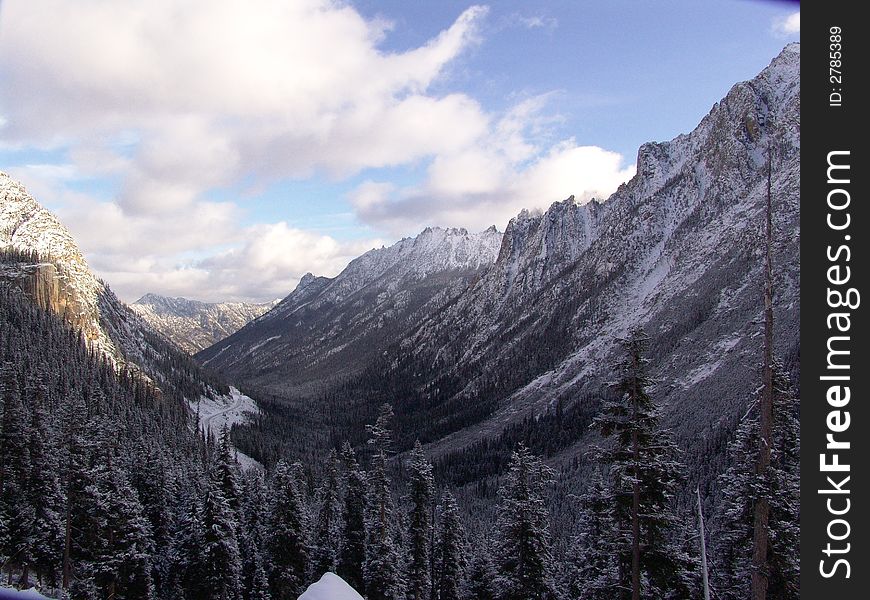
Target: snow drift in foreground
(330,587)
(30,594)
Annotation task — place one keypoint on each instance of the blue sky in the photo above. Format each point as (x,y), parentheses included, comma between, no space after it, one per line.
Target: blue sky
(220,149)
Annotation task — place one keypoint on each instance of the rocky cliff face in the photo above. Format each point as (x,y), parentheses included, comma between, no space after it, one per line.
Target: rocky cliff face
(193,325)
(54,274)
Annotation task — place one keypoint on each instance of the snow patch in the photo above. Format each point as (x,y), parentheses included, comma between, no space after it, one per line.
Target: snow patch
(330,587)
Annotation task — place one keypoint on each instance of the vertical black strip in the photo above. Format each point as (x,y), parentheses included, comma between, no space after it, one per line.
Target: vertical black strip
(834,109)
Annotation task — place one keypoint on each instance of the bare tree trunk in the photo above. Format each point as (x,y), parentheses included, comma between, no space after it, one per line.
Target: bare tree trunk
(635,500)
(704,575)
(761,531)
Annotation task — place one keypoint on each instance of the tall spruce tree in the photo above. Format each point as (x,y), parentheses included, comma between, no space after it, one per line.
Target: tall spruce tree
(643,471)
(525,562)
(228,470)
(252,536)
(220,548)
(594,562)
(382,570)
(420,525)
(14,469)
(742,487)
(289,546)
(45,496)
(353,533)
(451,551)
(327,525)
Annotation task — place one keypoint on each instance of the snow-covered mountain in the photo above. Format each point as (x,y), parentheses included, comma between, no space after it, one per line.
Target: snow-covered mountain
(66,284)
(677,250)
(39,256)
(329,328)
(195,325)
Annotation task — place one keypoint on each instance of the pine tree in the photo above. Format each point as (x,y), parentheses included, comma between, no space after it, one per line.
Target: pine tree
(451,552)
(289,548)
(643,472)
(353,534)
(228,470)
(126,564)
(594,563)
(252,537)
(525,563)
(420,525)
(186,576)
(220,550)
(14,470)
(480,584)
(382,568)
(45,542)
(327,527)
(741,488)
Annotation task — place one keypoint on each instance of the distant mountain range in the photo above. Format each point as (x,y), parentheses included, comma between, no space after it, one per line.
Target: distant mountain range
(194,325)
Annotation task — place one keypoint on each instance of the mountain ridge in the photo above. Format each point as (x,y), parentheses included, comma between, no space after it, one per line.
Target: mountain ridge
(675,249)
(194,325)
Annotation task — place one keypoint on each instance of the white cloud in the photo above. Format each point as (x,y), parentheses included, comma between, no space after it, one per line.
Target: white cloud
(513,167)
(220,89)
(787,26)
(172,100)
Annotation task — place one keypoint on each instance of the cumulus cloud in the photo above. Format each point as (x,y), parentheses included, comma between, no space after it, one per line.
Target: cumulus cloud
(513,168)
(220,89)
(173,100)
(787,26)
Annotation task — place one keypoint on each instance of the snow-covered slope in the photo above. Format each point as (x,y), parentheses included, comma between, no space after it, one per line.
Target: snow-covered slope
(218,411)
(676,249)
(195,325)
(330,587)
(72,291)
(40,256)
(328,328)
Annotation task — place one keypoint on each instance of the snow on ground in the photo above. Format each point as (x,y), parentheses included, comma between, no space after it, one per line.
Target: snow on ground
(330,587)
(30,594)
(227,410)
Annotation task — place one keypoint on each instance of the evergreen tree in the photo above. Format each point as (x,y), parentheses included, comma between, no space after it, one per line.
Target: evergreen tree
(252,537)
(289,549)
(220,550)
(643,476)
(525,563)
(125,568)
(451,552)
(228,470)
(14,470)
(741,488)
(45,497)
(327,527)
(353,534)
(186,576)
(480,584)
(596,571)
(420,525)
(382,568)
